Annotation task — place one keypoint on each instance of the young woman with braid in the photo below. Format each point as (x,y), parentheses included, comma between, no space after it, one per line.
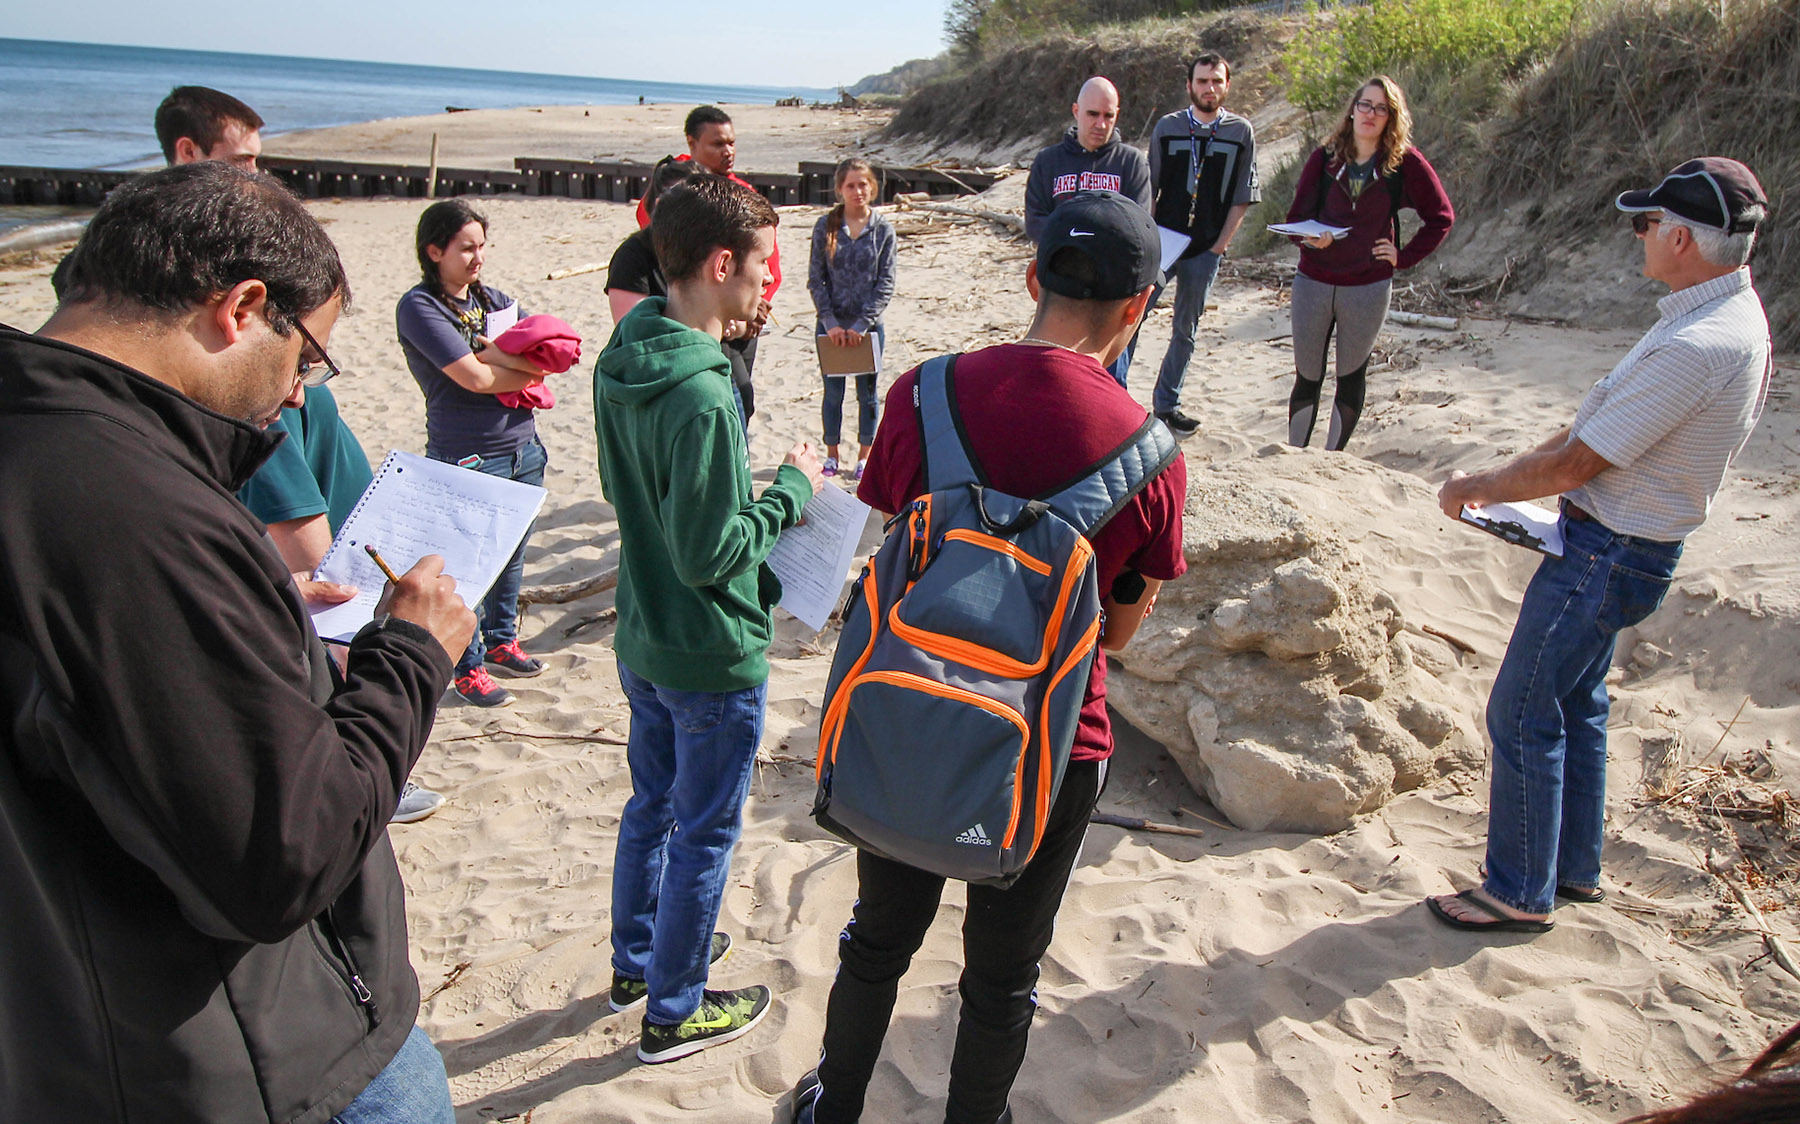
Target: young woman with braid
(851,278)
(1359,179)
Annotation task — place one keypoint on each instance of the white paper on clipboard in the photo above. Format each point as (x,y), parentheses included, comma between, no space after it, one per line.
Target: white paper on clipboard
(1173,243)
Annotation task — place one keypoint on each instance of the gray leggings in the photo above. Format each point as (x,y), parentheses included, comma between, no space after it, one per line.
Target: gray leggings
(1355,312)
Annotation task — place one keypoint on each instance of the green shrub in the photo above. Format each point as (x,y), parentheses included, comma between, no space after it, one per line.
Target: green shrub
(1486,39)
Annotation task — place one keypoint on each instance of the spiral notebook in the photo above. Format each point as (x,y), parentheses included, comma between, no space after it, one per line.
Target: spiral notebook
(414,507)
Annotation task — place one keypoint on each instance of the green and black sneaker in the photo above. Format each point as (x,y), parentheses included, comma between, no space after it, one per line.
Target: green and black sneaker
(722,1017)
(628,993)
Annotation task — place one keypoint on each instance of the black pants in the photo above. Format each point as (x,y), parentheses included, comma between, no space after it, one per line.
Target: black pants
(1005,934)
(742,354)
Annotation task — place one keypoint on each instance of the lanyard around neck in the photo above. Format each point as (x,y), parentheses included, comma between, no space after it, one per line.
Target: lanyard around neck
(1198,147)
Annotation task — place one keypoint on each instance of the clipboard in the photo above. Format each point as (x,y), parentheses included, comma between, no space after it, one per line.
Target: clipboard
(1521,524)
(837,362)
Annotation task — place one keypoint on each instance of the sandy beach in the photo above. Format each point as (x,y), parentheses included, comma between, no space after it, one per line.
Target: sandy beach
(1242,976)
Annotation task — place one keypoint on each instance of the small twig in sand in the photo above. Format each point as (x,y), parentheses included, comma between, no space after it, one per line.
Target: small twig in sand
(1778,950)
(783,759)
(1459,644)
(599,737)
(449,981)
(1204,819)
(1132,823)
(602,617)
(1725,733)
(570,591)
(575,271)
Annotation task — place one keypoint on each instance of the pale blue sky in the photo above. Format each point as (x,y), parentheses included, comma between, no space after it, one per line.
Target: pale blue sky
(745,42)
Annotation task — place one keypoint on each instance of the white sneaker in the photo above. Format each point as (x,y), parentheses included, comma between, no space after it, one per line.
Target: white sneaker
(829,468)
(416,803)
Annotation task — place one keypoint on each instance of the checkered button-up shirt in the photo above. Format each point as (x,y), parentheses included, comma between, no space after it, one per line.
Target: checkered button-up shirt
(1676,411)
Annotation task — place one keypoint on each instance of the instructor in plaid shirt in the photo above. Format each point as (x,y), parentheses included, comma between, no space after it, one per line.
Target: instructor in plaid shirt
(1637,470)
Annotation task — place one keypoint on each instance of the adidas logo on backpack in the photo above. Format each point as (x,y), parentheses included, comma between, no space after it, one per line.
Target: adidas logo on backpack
(967,647)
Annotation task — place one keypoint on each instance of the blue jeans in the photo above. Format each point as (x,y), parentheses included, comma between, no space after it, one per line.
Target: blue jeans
(867,403)
(1547,713)
(497,617)
(690,754)
(1193,284)
(412,1089)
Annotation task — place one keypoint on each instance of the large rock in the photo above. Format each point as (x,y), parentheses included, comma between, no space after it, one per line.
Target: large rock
(1278,672)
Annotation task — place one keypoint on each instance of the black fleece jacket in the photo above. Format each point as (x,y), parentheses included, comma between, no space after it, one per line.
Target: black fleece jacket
(203,918)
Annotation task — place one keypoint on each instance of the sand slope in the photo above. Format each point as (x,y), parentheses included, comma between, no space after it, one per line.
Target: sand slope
(1236,977)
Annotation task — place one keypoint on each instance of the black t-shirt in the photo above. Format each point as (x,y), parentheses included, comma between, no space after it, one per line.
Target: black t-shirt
(634,268)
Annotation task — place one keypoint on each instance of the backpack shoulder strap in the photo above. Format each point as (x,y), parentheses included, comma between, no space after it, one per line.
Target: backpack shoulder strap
(1324,183)
(943,447)
(1106,488)
(1396,186)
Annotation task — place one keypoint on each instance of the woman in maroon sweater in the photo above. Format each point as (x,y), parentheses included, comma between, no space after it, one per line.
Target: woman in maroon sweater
(1359,179)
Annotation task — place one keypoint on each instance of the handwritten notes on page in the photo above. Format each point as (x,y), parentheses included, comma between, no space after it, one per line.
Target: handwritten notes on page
(417,507)
(813,559)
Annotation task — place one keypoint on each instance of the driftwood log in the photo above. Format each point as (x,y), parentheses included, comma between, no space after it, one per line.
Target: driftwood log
(1011,222)
(570,591)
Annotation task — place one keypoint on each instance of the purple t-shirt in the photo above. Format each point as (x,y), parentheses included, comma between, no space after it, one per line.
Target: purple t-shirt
(458,422)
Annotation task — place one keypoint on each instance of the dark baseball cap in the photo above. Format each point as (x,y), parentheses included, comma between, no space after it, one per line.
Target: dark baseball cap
(1114,233)
(1712,191)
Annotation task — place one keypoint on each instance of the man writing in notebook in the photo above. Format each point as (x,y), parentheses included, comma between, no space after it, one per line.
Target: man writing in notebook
(204,920)
(694,601)
(1637,470)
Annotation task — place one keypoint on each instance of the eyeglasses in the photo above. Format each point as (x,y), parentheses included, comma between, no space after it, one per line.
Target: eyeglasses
(1641,223)
(1363,105)
(313,373)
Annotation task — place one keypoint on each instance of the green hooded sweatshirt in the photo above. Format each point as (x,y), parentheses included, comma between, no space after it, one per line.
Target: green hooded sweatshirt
(694,587)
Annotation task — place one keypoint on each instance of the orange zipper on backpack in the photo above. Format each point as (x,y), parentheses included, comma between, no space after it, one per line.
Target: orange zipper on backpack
(1089,638)
(990,542)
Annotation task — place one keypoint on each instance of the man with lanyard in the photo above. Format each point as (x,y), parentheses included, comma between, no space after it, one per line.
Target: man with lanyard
(712,144)
(1637,470)
(1203,173)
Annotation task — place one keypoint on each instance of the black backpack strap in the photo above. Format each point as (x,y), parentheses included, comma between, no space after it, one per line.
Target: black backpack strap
(1396,187)
(1106,488)
(1324,183)
(943,447)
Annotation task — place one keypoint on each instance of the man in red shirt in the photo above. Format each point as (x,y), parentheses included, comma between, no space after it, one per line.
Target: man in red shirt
(1038,415)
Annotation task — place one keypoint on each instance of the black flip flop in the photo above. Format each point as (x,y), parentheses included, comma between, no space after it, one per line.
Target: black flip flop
(1581,894)
(1501,923)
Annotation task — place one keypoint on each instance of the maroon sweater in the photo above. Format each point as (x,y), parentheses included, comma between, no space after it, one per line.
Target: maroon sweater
(1351,260)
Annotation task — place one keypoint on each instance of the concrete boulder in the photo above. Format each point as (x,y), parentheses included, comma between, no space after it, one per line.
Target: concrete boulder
(1279,672)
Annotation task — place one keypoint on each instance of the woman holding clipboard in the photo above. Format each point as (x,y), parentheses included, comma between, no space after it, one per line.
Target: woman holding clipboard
(1359,180)
(446,324)
(851,278)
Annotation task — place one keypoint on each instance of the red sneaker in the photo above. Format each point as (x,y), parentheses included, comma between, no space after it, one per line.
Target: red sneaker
(510,659)
(479,688)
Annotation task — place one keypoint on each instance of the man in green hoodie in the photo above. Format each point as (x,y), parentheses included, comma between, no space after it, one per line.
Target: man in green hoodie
(694,597)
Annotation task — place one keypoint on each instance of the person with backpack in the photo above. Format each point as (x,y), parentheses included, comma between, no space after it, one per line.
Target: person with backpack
(1028,419)
(444,328)
(1359,179)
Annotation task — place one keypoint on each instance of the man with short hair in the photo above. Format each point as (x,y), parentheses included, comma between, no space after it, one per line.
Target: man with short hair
(1637,469)
(196,123)
(205,922)
(1037,415)
(1090,157)
(1203,171)
(712,144)
(694,599)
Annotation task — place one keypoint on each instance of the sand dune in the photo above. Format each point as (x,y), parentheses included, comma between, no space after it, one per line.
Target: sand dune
(1236,977)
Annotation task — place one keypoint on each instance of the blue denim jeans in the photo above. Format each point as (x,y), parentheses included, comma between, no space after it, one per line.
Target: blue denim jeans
(690,754)
(413,1089)
(1193,279)
(1547,713)
(498,614)
(867,402)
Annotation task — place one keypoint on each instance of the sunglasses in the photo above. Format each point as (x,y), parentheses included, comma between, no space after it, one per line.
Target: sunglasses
(313,373)
(1641,223)
(1365,106)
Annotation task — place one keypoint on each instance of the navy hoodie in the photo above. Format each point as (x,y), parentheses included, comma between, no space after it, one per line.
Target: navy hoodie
(1065,168)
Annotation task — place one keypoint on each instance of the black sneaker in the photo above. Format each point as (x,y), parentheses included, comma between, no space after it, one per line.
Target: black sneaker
(628,993)
(1179,423)
(806,1095)
(723,1017)
(479,688)
(510,659)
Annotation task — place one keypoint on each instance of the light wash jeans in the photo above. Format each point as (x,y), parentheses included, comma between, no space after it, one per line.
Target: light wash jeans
(413,1089)
(1193,279)
(497,617)
(868,403)
(1547,713)
(690,754)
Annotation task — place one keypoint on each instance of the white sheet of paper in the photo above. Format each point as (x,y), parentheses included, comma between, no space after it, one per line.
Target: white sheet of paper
(1311,228)
(1173,242)
(813,559)
(417,507)
(1538,522)
(498,320)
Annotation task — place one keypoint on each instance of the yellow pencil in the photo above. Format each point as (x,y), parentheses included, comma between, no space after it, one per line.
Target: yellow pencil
(385,569)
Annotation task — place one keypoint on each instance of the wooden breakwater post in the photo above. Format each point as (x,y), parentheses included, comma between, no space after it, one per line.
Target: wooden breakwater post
(431,176)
